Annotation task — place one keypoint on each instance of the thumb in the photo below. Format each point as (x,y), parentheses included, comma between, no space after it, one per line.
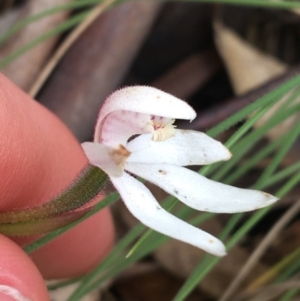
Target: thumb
(39,157)
(20,280)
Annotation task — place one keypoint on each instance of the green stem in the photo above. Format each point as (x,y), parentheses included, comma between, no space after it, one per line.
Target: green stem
(89,183)
(41,226)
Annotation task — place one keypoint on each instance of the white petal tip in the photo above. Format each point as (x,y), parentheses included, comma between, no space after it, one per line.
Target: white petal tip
(261,200)
(193,115)
(222,153)
(265,200)
(270,199)
(222,254)
(228,155)
(211,244)
(216,247)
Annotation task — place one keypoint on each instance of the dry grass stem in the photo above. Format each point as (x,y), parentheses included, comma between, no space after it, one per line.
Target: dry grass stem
(259,251)
(67,43)
(271,292)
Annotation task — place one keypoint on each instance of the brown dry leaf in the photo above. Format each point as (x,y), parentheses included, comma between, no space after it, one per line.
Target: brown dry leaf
(63,293)
(184,79)
(5,5)
(286,243)
(148,282)
(96,63)
(249,68)
(24,69)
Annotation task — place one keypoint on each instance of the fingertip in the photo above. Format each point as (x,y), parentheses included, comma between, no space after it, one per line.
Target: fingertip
(18,274)
(39,158)
(39,155)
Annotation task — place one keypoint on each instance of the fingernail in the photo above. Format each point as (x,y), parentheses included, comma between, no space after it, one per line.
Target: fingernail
(8,293)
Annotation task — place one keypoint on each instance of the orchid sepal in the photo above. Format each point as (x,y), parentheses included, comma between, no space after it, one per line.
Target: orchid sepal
(155,217)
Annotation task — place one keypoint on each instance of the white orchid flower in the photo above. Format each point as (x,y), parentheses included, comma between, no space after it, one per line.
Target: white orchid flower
(134,135)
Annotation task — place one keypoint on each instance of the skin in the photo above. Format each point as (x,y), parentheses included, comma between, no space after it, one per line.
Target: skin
(39,157)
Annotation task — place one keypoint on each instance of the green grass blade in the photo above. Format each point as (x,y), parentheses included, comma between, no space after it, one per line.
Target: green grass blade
(293,134)
(56,9)
(246,126)
(253,161)
(57,30)
(249,142)
(288,171)
(205,266)
(155,240)
(267,99)
(289,295)
(294,266)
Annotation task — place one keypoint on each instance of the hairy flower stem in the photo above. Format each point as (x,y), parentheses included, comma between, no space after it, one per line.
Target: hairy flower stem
(88,184)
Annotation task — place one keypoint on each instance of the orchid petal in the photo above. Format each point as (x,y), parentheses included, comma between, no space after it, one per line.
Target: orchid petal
(200,193)
(104,157)
(141,203)
(184,148)
(144,100)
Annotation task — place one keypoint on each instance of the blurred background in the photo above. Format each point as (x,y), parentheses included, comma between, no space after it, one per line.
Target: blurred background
(71,54)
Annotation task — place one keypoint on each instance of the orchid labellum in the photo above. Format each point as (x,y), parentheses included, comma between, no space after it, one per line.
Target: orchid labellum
(134,135)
